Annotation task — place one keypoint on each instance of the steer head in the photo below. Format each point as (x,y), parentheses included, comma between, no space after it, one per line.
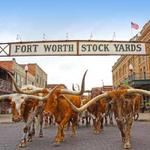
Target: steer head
(52,101)
(18,102)
(119,102)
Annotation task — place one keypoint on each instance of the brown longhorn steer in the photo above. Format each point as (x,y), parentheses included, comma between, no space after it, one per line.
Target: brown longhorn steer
(97,111)
(126,103)
(58,106)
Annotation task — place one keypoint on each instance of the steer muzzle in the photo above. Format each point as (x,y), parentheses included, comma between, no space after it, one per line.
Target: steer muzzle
(47,113)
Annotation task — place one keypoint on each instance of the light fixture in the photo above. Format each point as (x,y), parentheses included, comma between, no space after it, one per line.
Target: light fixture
(130,67)
(26,68)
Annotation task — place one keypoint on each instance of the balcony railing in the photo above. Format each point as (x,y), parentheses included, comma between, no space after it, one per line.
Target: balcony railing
(139,76)
(5,85)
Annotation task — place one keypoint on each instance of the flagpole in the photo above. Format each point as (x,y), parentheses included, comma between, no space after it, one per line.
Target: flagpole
(131,31)
(134,26)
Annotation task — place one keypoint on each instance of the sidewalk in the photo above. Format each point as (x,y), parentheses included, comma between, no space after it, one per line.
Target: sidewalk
(144,116)
(5,118)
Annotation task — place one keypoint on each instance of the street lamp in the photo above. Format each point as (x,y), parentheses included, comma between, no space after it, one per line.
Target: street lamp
(102,85)
(26,71)
(131,67)
(131,70)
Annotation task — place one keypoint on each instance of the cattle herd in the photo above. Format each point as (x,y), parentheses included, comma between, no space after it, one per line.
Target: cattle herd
(66,107)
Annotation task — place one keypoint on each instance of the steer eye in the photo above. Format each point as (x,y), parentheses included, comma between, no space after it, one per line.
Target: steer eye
(21,97)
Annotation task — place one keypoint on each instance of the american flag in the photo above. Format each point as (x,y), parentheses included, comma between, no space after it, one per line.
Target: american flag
(134,25)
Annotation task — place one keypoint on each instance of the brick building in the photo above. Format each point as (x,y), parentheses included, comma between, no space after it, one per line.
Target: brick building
(34,75)
(98,90)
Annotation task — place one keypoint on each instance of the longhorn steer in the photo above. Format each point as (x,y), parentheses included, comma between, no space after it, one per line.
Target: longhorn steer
(109,114)
(85,116)
(97,111)
(126,104)
(58,106)
(26,108)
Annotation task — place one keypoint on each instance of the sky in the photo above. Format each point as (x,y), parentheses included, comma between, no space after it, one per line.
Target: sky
(29,20)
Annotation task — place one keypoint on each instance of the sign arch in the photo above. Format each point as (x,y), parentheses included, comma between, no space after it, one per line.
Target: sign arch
(74,48)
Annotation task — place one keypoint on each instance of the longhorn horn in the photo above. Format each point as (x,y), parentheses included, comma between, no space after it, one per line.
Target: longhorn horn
(38,90)
(85,106)
(25,96)
(39,98)
(7,96)
(107,95)
(138,91)
(73,88)
(65,91)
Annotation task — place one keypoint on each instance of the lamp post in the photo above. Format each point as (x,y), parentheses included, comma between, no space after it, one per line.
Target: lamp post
(26,73)
(102,85)
(131,70)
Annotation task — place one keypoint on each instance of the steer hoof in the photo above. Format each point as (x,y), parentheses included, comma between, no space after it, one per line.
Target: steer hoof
(22,144)
(33,133)
(29,140)
(96,132)
(40,135)
(127,145)
(56,144)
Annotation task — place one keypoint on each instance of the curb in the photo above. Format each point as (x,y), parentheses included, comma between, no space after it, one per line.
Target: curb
(6,122)
(143,120)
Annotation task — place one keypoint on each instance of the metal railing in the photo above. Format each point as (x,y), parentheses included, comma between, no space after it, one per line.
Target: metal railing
(139,76)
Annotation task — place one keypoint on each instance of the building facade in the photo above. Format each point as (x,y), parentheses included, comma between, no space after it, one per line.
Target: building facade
(134,70)
(26,73)
(40,77)
(5,81)
(23,74)
(95,91)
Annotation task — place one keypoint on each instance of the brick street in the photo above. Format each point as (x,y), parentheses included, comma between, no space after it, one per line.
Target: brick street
(109,139)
